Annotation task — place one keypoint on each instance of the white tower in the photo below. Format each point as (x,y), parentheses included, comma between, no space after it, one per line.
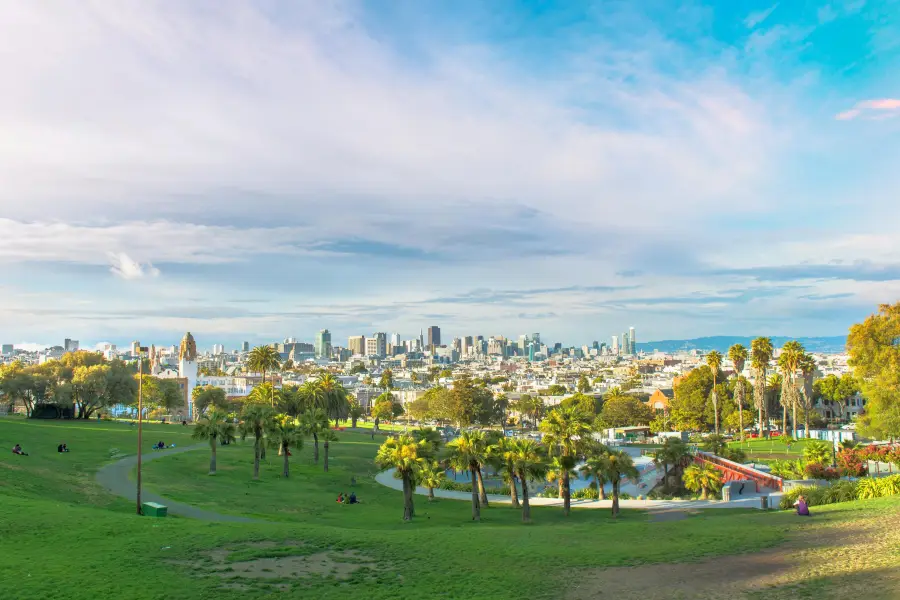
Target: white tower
(187,369)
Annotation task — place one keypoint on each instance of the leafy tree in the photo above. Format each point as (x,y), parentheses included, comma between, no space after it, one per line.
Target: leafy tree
(836,390)
(673,452)
(217,428)
(313,423)
(874,348)
(584,386)
(255,420)
(292,401)
(407,457)
(469,452)
(584,403)
(593,468)
(284,434)
(502,455)
(207,396)
(358,368)
(622,410)
(566,431)
(431,436)
(334,395)
(432,475)
(616,465)
(327,436)
(739,355)
(264,393)
(688,407)
(792,354)
(263,359)
(529,406)
(760,355)
(702,478)
(714,361)
(557,390)
(356,411)
(386,382)
(715,444)
(530,461)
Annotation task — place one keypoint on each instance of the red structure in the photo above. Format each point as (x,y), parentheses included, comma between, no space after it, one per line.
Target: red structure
(732,471)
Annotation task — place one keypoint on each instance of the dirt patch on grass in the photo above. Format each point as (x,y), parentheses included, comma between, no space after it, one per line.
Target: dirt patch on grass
(825,556)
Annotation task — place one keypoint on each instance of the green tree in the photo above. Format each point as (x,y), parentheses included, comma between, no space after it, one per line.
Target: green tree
(255,420)
(469,452)
(334,395)
(431,436)
(714,361)
(206,396)
(622,410)
(556,390)
(284,434)
(616,465)
(739,355)
(874,348)
(89,384)
(218,429)
(689,406)
(673,452)
(594,468)
(432,475)
(263,359)
(530,460)
(836,390)
(818,452)
(808,370)
(789,360)
(502,455)
(292,401)
(386,382)
(407,457)
(760,355)
(584,386)
(702,478)
(313,423)
(566,431)
(356,411)
(584,403)
(327,436)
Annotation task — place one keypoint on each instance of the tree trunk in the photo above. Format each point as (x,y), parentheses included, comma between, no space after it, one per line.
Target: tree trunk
(615,499)
(794,431)
(326,456)
(482,494)
(741,417)
(316,447)
(783,416)
(284,452)
(353,421)
(526,507)
(212,456)
(256,459)
(407,498)
(761,433)
(431,494)
(567,493)
(703,495)
(806,423)
(601,493)
(476,508)
(513,492)
(715,401)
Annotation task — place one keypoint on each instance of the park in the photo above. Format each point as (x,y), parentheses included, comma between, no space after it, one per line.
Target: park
(235,536)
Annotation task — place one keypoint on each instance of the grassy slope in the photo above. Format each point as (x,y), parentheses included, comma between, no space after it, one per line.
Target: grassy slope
(60,532)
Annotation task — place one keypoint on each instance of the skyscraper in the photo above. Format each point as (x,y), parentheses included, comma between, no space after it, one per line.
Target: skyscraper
(357,344)
(615,344)
(245,347)
(378,343)
(434,337)
(626,346)
(323,344)
(395,339)
(71,345)
(631,339)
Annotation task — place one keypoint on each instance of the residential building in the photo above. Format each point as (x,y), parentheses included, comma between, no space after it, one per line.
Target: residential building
(357,344)
(70,345)
(323,344)
(377,345)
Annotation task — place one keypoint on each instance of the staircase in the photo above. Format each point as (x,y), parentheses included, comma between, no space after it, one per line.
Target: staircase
(732,471)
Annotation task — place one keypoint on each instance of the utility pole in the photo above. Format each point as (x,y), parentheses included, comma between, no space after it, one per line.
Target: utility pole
(141,350)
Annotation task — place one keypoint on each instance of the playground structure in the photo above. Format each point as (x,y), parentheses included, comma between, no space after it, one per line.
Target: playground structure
(732,471)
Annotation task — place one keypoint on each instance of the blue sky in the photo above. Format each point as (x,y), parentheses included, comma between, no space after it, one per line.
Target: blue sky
(258,170)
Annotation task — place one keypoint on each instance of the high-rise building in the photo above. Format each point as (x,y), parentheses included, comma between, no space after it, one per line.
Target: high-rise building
(245,347)
(70,345)
(615,344)
(135,348)
(7,349)
(218,349)
(434,337)
(377,345)
(466,348)
(531,350)
(536,338)
(357,344)
(395,339)
(323,344)
(631,340)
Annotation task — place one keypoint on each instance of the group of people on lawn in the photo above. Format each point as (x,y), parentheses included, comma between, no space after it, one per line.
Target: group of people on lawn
(17,449)
(343,498)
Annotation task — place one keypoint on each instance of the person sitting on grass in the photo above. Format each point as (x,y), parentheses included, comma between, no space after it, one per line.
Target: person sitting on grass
(340,498)
(802,506)
(159,445)
(353,499)
(17,449)
(62,448)
(346,498)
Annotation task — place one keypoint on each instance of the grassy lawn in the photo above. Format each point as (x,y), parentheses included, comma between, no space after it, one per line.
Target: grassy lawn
(63,536)
(762,449)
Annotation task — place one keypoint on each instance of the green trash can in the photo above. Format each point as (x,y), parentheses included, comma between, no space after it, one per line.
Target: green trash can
(152,509)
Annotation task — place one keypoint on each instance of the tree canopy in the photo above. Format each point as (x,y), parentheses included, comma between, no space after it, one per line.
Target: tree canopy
(874,348)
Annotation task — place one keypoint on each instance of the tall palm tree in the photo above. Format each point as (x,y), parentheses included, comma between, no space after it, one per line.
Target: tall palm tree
(530,460)
(255,420)
(292,401)
(431,476)
(431,436)
(313,423)
(335,396)
(284,434)
(355,412)
(262,359)
(566,431)
(217,428)
(714,360)
(791,354)
(760,355)
(738,355)
(502,455)
(467,453)
(314,394)
(593,469)
(808,369)
(616,465)
(407,457)
(774,386)
(328,436)
(703,478)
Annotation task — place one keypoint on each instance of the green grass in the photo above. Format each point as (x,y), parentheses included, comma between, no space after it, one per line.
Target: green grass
(762,449)
(59,531)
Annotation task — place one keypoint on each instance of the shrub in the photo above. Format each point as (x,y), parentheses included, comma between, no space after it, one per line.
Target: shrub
(734,454)
(818,452)
(851,462)
(587,493)
(816,470)
(789,469)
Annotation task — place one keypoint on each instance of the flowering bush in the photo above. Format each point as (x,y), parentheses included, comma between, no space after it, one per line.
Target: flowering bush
(852,462)
(817,470)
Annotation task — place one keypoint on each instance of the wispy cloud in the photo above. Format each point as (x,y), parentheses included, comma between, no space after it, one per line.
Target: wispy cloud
(127,268)
(756,18)
(882,108)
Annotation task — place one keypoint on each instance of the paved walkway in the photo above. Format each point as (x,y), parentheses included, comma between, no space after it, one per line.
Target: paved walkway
(386,478)
(115,477)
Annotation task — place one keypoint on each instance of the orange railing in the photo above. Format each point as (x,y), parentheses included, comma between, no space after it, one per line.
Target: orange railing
(734,471)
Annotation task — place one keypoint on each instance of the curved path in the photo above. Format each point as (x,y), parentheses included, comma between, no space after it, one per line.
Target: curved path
(115,478)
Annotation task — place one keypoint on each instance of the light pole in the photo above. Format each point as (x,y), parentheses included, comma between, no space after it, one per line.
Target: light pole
(141,350)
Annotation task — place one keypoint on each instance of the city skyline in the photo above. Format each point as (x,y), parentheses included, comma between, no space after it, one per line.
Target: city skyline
(697,168)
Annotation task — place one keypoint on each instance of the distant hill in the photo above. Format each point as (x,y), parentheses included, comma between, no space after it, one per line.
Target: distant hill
(828,345)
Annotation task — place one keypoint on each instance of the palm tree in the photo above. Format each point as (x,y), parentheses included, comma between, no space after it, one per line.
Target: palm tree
(774,386)
(566,431)
(467,453)
(262,359)
(312,423)
(407,456)
(284,434)
(502,454)
(431,476)
(738,355)
(616,465)
(808,368)
(530,462)
(760,355)
(328,436)
(335,397)
(431,436)
(355,413)
(255,420)
(292,401)
(593,469)
(818,452)
(702,478)
(792,354)
(714,360)
(215,427)
(314,394)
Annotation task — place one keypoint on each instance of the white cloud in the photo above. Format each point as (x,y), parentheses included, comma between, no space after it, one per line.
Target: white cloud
(756,18)
(127,268)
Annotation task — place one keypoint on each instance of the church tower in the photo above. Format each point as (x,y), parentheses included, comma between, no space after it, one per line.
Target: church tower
(187,369)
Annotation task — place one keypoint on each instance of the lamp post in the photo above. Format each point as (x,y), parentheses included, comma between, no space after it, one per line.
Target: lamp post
(141,350)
